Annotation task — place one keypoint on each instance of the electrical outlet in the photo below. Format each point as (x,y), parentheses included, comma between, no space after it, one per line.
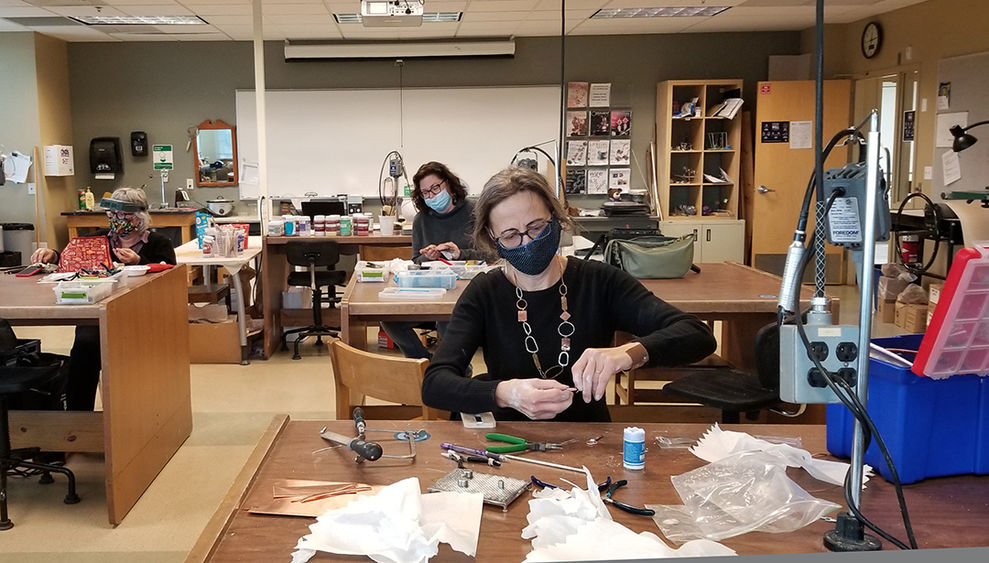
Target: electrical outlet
(188,183)
(31,188)
(800,380)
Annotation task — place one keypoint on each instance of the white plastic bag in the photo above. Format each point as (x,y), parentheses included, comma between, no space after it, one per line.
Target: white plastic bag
(745,492)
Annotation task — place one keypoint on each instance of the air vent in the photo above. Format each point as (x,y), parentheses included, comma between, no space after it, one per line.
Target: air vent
(43,21)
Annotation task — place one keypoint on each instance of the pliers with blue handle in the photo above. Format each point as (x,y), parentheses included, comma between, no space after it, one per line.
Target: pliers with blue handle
(621,505)
(518,444)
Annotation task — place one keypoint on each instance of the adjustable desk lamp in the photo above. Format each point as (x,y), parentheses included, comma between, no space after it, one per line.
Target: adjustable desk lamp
(964,140)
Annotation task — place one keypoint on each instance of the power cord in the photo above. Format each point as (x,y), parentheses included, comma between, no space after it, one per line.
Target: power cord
(848,397)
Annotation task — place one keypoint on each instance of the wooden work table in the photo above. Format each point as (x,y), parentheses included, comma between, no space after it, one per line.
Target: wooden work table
(946,512)
(145,390)
(184,218)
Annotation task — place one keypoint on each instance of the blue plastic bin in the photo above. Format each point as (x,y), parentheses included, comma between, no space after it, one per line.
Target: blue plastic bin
(933,428)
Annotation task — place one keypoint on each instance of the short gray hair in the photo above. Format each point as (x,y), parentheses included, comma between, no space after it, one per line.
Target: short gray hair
(136,196)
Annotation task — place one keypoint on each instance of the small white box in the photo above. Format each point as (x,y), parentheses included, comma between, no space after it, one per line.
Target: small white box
(58,160)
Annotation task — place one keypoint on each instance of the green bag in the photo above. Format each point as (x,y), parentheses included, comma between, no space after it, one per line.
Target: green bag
(652,257)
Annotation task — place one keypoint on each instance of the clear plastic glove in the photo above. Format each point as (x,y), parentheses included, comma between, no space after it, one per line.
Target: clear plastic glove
(44,256)
(593,370)
(126,255)
(538,399)
(436,251)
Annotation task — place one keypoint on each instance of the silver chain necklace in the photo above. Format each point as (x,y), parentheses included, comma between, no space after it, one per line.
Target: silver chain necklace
(565,330)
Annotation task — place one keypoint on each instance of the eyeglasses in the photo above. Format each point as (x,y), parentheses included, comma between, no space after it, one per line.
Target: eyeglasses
(513,238)
(119,214)
(433,190)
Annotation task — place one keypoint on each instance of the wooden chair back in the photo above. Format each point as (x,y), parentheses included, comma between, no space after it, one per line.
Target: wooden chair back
(389,378)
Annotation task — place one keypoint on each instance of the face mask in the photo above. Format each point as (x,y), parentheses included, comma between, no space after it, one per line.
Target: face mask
(439,202)
(122,227)
(534,256)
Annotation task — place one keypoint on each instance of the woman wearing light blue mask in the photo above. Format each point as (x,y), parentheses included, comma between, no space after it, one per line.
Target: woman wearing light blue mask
(546,323)
(441,230)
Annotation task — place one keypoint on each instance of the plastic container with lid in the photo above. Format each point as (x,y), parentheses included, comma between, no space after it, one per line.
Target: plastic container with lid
(345,224)
(445,279)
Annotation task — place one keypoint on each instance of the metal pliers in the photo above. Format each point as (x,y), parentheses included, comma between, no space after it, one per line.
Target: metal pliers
(601,486)
(518,444)
(621,505)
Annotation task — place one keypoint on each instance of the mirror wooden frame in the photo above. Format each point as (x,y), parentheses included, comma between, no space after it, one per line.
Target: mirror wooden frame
(207,125)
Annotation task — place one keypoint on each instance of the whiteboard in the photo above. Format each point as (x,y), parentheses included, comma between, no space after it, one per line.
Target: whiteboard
(334,141)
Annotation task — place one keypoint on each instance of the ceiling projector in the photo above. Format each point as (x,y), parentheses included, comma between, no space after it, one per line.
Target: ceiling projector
(391,13)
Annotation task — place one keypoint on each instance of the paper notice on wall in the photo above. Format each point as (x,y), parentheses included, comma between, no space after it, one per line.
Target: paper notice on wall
(18,167)
(800,134)
(951,167)
(945,121)
(249,173)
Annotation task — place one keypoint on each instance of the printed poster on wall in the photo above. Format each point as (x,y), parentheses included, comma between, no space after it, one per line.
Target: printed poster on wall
(618,178)
(598,152)
(600,95)
(909,124)
(577,94)
(775,132)
(597,180)
(576,153)
(600,123)
(576,123)
(620,152)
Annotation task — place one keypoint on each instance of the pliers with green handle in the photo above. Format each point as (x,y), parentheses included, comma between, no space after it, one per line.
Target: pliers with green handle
(621,505)
(518,444)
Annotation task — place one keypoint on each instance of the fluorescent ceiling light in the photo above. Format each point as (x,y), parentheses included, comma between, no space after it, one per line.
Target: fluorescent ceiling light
(429,17)
(399,49)
(139,20)
(667,12)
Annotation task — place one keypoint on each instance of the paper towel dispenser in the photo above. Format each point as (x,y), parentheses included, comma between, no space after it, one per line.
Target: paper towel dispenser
(104,155)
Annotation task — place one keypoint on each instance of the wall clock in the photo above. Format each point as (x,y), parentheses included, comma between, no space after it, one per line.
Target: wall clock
(872,39)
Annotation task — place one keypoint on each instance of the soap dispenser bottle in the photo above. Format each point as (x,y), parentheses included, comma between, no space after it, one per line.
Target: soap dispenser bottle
(90,200)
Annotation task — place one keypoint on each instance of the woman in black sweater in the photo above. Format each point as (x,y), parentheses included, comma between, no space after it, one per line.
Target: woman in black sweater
(546,323)
(132,243)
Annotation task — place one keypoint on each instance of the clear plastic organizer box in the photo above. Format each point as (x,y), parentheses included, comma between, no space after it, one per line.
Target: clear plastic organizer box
(932,427)
(446,279)
(81,293)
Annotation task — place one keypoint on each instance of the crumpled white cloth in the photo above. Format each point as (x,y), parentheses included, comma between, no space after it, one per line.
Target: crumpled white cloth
(717,444)
(576,526)
(398,524)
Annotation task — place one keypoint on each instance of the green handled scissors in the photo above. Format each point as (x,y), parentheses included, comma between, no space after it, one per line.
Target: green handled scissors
(519,444)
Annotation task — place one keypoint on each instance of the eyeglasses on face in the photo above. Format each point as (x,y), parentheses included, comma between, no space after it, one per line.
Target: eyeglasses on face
(432,190)
(119,214)
(513,237)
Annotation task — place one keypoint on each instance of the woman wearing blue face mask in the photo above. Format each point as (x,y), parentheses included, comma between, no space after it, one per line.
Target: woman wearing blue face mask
(442,229)
(131,243)
(546,323)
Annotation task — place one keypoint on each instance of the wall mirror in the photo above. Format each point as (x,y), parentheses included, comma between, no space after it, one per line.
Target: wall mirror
(215,145)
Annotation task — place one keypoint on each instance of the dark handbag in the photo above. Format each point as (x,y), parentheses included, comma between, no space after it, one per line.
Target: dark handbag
(652,257)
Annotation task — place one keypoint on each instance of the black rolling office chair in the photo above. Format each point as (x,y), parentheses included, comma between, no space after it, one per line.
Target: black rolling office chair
(313,255)
(18,379)
(734,391)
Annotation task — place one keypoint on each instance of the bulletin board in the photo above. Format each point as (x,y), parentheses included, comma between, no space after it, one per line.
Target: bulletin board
(334,141)
(968,77)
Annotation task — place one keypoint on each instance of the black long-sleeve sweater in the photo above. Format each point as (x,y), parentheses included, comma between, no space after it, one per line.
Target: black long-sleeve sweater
(601,300)
(457,226)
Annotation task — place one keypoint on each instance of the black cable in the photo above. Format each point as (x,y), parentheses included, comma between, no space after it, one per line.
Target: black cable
(561,181)
(849,398)
(533,148)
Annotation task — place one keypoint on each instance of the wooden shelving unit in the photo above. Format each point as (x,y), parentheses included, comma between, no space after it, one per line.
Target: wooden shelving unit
(689,147)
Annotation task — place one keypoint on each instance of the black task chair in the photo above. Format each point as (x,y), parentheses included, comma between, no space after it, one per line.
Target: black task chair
(46,374)
(314,255)
(734,391)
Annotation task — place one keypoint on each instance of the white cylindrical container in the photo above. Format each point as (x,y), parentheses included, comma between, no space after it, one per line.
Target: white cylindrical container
(634,452)
(276,227)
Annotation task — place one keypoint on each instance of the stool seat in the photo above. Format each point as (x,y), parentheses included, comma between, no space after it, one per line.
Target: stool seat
(209,293)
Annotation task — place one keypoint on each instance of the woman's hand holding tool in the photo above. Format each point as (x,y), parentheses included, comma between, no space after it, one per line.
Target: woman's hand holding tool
(593,370)
(537,399)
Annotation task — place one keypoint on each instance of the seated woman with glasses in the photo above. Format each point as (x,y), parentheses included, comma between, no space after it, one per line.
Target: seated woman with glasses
(442,229)
(131,243)
(546,323)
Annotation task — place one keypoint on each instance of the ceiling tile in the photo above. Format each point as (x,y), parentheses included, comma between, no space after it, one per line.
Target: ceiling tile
(7,26)
(162,9)
(85,11)
(23,12)
(500,5)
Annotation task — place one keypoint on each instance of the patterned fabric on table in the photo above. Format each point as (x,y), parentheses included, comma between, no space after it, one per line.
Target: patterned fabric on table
(90,253)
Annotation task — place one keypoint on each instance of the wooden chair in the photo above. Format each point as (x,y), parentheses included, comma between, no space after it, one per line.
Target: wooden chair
(389,378)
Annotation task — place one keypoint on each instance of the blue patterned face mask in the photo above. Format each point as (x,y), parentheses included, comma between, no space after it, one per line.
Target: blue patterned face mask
(122,227)
(534,256)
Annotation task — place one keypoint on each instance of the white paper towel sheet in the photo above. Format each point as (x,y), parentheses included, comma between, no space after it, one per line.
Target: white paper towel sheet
(398,525)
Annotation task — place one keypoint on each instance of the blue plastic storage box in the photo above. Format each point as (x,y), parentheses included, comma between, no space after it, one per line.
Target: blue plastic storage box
(933,428)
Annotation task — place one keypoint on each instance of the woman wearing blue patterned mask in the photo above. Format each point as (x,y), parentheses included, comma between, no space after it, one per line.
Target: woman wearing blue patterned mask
(132,243)
(546,323)
(442,229)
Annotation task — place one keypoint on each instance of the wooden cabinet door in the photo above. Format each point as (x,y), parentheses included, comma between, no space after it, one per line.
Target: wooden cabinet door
(782,172)
(723,241)
(682,228)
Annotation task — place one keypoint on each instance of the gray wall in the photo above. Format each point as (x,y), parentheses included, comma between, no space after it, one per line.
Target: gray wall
(165,88)
(19,126)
